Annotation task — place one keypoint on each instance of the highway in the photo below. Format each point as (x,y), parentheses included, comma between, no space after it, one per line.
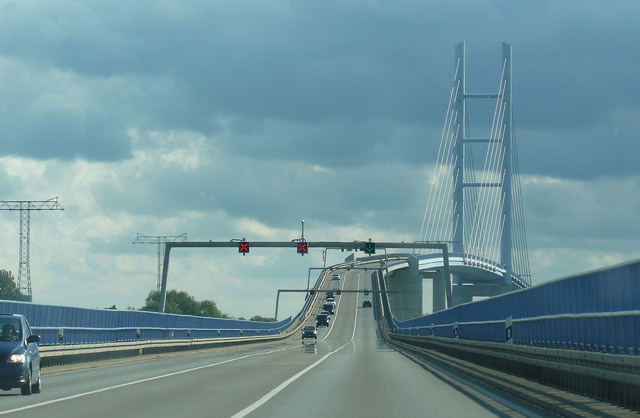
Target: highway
(349,372)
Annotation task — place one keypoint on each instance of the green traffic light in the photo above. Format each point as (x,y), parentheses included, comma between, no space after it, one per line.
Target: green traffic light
(370,248)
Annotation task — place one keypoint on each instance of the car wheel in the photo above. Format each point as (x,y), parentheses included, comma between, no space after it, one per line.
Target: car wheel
(37,387)
(26,388)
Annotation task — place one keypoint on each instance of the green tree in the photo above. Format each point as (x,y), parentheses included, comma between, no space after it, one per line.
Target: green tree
(8,287)
(259,318)
(180,302)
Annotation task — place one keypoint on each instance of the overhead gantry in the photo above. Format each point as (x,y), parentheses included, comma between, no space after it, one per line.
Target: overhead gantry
(244,247)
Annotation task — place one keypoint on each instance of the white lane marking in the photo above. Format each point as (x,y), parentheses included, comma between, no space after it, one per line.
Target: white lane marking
(337,308)
(257,404)
(93,392)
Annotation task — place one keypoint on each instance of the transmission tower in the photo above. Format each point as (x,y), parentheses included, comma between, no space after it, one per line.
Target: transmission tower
(25,207)
(160,241)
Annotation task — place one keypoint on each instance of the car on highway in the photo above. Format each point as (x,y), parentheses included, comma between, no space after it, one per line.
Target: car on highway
(366,303)
(322,319)
(309,331)
(19,356)
(335,277)
(329,307)
(329,295)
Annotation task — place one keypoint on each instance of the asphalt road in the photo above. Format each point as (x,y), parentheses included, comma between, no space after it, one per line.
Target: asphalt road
(347,373)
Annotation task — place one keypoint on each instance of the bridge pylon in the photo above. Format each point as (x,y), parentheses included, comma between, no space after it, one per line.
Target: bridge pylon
(483,219)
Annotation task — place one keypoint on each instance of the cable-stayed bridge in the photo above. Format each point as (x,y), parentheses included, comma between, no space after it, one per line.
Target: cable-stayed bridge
(478,210)
(505,355)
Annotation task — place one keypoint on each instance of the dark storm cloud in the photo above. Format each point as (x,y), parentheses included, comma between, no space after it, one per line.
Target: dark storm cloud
(348,76)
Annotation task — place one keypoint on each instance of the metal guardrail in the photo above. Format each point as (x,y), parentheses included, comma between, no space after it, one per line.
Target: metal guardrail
(60,355)
(53,336)
(600,332)
(611,377)
(609,373)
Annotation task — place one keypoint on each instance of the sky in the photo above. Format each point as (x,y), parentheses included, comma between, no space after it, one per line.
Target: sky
(227,120)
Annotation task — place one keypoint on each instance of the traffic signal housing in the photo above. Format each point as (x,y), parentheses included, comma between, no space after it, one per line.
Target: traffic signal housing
(370,248)
(303,247)
(366,293)
(338,292)
(243,247)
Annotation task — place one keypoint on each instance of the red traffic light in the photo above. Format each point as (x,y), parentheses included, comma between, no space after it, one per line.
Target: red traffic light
(243,247)
(338,292)
(303,248)
(312,292)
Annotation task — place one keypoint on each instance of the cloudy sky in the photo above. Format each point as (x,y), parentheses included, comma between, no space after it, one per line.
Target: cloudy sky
(231,119)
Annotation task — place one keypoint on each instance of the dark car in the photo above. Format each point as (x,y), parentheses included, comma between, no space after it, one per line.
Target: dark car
(19,356)
(309,331)
(329,307)
(322,319)
(366,303)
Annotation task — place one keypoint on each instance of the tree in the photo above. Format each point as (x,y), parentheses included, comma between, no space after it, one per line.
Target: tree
(258,318)
(9,289)
(180,302)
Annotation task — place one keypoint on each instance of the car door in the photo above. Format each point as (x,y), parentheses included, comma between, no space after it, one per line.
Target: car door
(32,350)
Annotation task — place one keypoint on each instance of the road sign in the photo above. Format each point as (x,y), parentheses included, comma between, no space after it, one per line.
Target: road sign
(243,247)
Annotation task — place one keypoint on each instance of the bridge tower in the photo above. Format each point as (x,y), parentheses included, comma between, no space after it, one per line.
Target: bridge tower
(482,219)
(159,241)
(25,207)
(501,137)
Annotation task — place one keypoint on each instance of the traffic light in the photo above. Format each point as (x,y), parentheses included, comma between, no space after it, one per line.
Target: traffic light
(243,247)
(338,292)
(366,292)
(312,292)
(303,248)
(370,247)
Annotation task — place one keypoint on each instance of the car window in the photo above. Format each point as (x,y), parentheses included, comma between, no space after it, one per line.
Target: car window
(10,328)
(26,329)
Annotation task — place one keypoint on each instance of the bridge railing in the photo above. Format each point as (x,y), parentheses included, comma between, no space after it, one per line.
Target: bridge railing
(58,325)
(597,311)
(600,332)
(51,336)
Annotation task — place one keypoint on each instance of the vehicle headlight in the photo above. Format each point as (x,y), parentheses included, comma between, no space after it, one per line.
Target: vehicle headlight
(17,358)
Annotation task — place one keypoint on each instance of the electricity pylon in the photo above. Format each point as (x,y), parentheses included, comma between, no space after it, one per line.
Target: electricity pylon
(25,207)
(160,241)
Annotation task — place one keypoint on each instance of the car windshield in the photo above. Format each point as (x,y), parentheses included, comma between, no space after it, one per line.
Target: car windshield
(309,328)
(10,329)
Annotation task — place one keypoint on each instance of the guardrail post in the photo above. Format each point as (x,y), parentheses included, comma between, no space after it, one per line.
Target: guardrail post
(508,324)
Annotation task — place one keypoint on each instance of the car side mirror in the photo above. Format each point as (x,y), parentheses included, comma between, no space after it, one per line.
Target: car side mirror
(33,339)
